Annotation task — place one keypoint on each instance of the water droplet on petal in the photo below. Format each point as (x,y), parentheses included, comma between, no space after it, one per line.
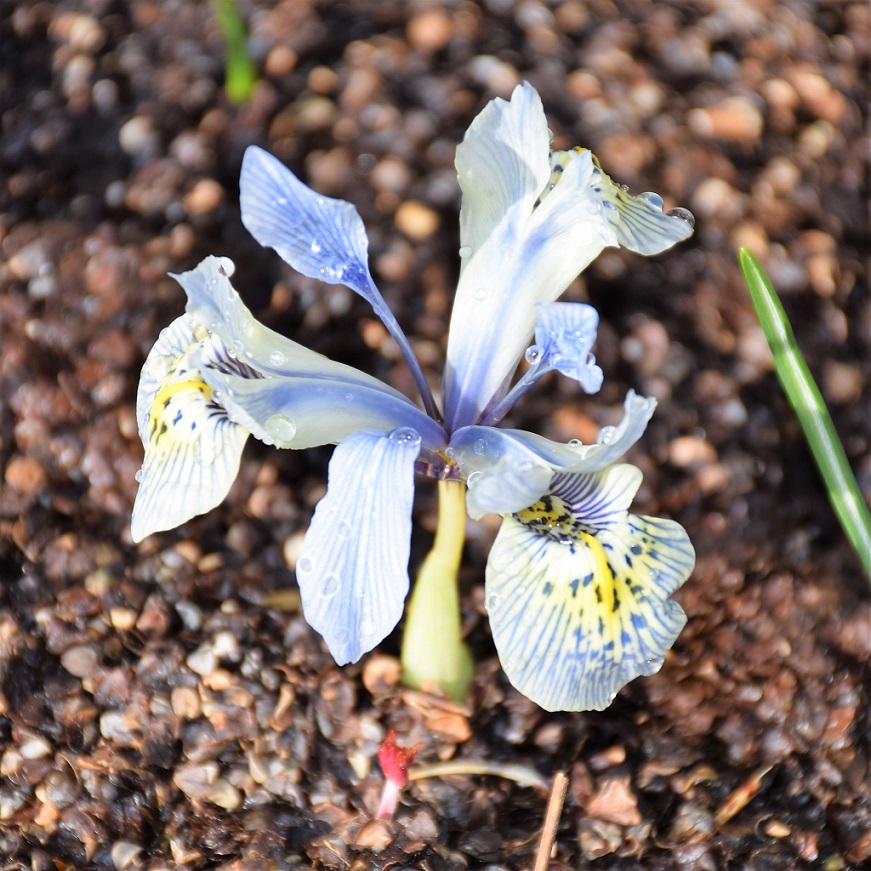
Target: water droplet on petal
(605,435)
(533,354)
(481,294)
(330,586)
(206,451)
(315,248)
(653,198)
(470,481)
(636,549)
(305,566)
(140,474)
(281,429)
(226,266)
(405,435)
(344,530)
(479,447)
(450,453)
(157,368)
(684,215)
(493,601)
(277,358)
(465,251)
(576,443)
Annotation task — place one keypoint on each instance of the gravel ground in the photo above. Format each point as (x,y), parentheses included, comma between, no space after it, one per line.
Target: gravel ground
(165,706)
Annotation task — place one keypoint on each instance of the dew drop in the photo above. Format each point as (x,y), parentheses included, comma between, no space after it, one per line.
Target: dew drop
(465,251)
(636,549)
(344,530)
(277,358)
(157,368)
(226,266)
(405,435)
(280,428)
(684,215)
(330,586)
(576,443)
(470,481)
(450,453)
(654,199)
(533,354)
(481,294)
(206,451)
(606,433)
(247,324)
(479,447)
(611,207)
(140,474)
(493,601)
(315,248)
(305,566)
(238,347)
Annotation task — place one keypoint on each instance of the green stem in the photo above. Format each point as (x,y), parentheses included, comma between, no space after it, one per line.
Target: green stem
(808,404)
(433,652)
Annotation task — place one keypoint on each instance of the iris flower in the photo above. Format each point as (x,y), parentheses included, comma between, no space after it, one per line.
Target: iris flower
(576,587)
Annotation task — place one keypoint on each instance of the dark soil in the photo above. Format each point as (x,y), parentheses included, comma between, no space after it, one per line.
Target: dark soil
(166,706)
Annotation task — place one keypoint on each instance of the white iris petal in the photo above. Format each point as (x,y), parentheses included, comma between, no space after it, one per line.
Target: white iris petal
(353,569)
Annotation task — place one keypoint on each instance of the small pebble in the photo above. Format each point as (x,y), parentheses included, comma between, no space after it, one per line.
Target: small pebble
(416,220)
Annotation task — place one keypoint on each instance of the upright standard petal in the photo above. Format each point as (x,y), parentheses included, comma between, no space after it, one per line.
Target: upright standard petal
(565,333)
(302,398)
(319,236)
(353,569)
(192,449)
(535,250)
(577,591)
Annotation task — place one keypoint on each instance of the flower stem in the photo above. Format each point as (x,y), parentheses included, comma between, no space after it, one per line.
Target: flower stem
(433,652)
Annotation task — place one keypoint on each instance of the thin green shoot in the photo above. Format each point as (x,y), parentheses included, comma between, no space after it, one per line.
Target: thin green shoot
(240,74)
(806,400)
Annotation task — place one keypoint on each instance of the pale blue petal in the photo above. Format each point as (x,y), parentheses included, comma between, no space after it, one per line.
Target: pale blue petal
(504,467)
(353,568)
(564,336)
(319,236)
(576,611)
(301,398)
(303,410)
(192,449)
(502,473)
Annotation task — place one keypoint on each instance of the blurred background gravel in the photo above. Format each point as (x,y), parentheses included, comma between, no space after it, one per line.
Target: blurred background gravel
(165,706)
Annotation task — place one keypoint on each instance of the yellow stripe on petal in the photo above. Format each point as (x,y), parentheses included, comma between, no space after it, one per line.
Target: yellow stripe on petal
(577,614)
(192,449)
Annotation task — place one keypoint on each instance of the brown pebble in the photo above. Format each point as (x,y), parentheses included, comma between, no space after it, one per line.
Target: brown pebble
(735,119)
(417,220)
(185,703)
(453,727)
(25,475)
(615,802)
(376,835)
(381,673)
(80,661)
(689,450)
(430,30)
(205,196)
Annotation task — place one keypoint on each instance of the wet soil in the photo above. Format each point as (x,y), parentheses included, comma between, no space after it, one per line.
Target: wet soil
(165,705)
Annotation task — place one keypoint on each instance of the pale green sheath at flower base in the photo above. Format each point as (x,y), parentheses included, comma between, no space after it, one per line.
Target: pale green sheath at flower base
(576,587)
